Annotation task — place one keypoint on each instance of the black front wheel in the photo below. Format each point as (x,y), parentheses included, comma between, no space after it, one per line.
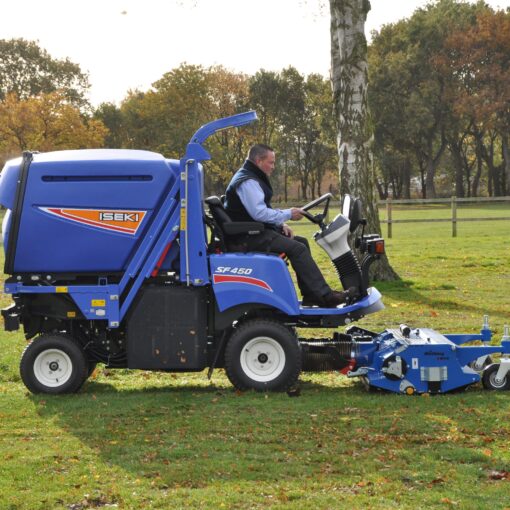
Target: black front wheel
(54,364)
(263,355)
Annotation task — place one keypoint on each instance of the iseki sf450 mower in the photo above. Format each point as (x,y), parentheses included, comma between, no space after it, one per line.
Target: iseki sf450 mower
(116,257)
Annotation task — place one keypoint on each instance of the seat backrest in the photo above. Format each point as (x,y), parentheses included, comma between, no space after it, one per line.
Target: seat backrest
(217,211)
(228,234)
(219,218)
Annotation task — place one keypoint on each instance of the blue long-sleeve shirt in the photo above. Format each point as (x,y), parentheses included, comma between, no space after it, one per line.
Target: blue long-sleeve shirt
(252,197)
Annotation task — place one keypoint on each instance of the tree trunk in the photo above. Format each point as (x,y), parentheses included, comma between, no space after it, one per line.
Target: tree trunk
(479,166)
(432,164)
(406,178)
(494,171)
(421,166)
(458,163)
(506,160)
(430,188)
(285,176)
(349,82)
(383,193)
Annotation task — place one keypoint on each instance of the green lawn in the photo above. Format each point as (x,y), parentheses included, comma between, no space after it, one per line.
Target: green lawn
(135,439)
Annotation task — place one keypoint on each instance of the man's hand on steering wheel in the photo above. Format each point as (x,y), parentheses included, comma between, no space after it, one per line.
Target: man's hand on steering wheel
(296,213)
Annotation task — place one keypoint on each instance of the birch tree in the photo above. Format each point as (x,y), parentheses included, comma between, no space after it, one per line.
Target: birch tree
(349,77)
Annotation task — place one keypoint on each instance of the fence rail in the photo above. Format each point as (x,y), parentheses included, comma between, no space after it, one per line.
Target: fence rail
(454,219)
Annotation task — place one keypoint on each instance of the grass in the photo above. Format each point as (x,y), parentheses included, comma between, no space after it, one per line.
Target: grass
(133,439)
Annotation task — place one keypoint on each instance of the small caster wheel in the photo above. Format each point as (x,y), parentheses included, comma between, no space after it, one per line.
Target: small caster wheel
(490,382)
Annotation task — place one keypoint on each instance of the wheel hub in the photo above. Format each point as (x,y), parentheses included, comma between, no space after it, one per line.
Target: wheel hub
(497,383)
(263,359)
(53,368)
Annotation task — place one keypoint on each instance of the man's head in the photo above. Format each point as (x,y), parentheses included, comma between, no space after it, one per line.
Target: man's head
(263,156)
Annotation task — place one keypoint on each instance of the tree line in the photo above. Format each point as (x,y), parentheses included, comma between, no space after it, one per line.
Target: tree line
(439,95)
(440,101)
(294,118)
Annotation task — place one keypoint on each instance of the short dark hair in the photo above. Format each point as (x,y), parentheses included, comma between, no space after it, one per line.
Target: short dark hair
(259,151)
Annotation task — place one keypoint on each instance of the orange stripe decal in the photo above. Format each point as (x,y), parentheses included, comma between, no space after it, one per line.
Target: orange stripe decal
(117,220)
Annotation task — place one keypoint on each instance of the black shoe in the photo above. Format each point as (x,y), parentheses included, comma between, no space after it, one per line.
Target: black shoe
(331,300)
(312,301)
(335,298)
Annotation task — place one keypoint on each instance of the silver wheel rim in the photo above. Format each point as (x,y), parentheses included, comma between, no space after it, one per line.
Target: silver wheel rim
(494,383)
(263,359)
(53,368)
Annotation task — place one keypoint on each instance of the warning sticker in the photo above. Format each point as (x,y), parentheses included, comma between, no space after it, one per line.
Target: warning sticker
(183,218)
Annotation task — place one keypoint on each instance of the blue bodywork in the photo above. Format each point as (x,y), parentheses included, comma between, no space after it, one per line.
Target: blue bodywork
(97,227)
(170,196)
(137,181)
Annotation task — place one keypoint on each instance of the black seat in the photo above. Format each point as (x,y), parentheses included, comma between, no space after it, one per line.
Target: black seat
(229,233)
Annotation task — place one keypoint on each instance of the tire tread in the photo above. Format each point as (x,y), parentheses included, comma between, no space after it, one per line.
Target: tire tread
(65,342)
(232,357)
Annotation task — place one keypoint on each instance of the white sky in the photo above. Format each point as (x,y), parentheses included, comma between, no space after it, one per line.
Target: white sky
(128,44)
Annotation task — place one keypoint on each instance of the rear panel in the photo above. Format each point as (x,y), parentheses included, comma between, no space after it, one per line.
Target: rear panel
(167,329)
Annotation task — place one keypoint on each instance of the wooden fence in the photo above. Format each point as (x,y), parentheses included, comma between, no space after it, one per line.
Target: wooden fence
(453,219)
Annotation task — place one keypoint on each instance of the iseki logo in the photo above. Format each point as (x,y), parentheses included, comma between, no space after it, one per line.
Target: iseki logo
(118,216)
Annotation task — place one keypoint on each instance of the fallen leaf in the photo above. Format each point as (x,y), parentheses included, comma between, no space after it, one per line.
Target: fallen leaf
(498,475)
(436,481)
(448,501)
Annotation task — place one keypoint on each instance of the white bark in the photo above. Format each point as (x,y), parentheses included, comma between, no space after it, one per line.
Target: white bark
(349,79)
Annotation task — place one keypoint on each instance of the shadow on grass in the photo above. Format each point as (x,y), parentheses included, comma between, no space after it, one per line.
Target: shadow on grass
(195,436)
(402,290)
(95,388)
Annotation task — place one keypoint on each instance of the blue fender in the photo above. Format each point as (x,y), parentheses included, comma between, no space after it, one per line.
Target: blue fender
(240,278)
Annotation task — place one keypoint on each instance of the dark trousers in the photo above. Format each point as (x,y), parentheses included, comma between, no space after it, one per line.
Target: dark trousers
(309,277)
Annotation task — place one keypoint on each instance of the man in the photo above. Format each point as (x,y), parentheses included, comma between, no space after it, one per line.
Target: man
(248,198)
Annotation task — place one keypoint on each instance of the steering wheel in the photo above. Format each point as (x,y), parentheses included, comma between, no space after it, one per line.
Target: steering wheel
(309,216)
(318,219)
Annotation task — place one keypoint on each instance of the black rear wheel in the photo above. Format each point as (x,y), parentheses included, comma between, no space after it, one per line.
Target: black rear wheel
(54,364)
(263,355)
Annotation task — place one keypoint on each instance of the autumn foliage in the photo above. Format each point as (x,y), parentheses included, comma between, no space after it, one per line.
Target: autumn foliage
(45,123)
(440,96)
(295,117)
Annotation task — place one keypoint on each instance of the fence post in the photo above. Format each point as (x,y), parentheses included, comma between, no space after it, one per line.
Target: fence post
(388,216)
(454,216)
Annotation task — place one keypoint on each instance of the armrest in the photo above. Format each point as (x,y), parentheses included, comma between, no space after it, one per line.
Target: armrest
(235,228)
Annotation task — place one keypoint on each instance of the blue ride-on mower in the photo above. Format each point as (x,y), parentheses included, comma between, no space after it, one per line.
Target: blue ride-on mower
(116,257)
